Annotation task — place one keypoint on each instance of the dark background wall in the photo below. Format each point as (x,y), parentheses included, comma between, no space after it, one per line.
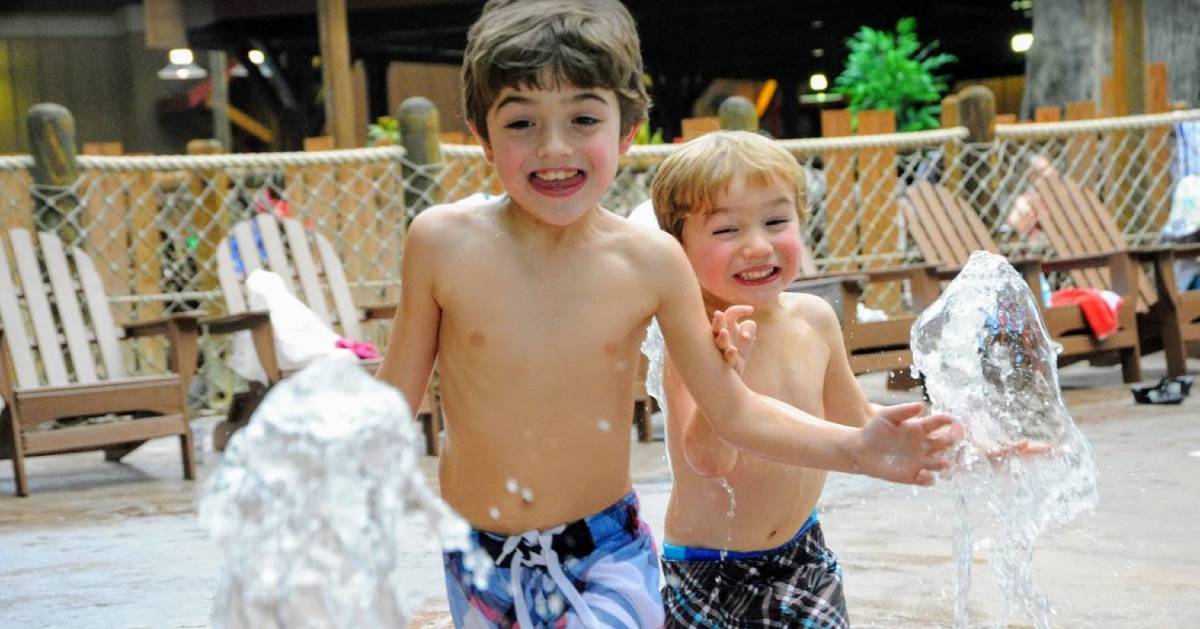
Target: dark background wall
(94,63)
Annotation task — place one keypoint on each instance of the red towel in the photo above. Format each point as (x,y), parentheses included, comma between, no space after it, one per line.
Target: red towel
(1099,308)
(363,349)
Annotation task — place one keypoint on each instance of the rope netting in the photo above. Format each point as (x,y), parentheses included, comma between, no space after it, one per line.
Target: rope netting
(153,224)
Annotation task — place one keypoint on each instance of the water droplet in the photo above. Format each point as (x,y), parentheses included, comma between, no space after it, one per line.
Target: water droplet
(512,486)
(604,425)
(527,494)
(494,512)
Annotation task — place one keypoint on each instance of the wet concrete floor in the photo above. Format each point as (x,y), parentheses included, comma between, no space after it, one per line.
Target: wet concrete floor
(118,545)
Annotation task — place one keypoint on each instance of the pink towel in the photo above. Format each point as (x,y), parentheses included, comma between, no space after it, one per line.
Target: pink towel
(362,349)
(1099,308)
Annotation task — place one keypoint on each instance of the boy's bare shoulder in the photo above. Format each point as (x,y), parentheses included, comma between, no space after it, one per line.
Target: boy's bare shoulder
(645,244)
(448,222)
(811,309)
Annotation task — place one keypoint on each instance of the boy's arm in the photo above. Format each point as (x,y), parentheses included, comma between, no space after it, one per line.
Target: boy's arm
(841,394)
(413,342)
(705,452)
(899,448)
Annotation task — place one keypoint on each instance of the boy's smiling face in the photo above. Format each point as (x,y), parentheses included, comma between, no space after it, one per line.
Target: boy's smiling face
(555,150)
(748,249)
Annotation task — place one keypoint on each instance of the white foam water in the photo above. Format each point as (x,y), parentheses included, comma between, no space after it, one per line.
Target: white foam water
(989,361)
(308,501)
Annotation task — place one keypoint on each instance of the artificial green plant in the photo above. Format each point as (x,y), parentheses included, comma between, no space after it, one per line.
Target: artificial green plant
(887,70)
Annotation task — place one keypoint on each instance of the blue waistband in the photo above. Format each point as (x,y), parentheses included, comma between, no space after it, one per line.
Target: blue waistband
(617,518)
(690,553)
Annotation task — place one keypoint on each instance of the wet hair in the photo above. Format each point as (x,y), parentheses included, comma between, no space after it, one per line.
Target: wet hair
(691,178)
(542,44)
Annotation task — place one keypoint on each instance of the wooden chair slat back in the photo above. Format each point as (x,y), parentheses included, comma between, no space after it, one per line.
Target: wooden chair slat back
(69,314)
(971,228)
(343,303)
(231,286)
(277,258)
(14,325)
(1077,235)
(306,269)
(243,234)
(945,228)
(39,307)
(1102,217)
(102,321)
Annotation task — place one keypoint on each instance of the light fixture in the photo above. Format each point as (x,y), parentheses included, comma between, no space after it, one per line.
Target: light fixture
(182,66)
(257,57)
(1022,42)
(818,82)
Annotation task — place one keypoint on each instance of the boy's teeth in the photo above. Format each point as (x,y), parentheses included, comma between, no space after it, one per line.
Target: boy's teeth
(555,175)
(756,275)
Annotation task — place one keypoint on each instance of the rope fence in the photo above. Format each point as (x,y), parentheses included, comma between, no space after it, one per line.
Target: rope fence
(153,224)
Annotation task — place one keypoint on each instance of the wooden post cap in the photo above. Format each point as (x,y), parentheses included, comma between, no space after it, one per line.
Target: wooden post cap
(737,113)
(419,130)
(52,143)
(977,112)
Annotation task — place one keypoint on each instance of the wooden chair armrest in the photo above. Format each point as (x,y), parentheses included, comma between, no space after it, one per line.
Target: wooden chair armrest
(158,327)
(1086,261)
(383,311)
(259,324)
(227,324)
(1154,252)
(182,330)
(893,274)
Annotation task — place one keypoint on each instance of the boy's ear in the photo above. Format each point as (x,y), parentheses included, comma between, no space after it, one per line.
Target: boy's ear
(487,146)
(627,139)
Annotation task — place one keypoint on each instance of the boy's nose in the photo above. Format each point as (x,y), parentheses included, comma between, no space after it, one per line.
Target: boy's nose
(756,246)
(553,145)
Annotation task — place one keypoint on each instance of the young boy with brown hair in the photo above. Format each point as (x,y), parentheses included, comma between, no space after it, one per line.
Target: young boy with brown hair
(534,307)
(734,201)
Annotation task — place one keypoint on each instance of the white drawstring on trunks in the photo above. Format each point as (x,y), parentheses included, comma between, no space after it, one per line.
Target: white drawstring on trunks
(541,553)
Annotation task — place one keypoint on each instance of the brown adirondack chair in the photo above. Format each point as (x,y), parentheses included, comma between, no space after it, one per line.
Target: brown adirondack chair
(872,345)
(946,230)
(1077,223)
(308,264)
(41,384)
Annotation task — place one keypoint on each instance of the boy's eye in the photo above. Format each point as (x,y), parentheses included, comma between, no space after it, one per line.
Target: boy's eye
(778,221)
(724,230)
(519,124)
(586,120)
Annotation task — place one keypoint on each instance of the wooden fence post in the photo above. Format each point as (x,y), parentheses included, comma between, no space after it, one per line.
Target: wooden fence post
(52,143)
(737,113)
(840,208)
(420,135)
(977,112)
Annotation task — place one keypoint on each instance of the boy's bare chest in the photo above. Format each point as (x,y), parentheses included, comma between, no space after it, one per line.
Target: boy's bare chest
(505,310)
(788,362)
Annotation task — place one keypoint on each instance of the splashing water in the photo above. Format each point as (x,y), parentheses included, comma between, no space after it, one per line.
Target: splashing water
(308,500)
(989,361)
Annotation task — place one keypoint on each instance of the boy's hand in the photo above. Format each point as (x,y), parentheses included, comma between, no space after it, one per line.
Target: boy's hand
(900,446)
(1023,447)
(735,339)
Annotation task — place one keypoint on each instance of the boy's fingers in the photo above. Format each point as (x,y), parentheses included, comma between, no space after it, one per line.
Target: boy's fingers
(897,413)
(737,312)
(718,321)
(923,478)
(749,329)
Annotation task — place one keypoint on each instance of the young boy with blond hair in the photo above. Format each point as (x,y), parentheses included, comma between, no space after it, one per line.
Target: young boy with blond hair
(534,306)
(735,201)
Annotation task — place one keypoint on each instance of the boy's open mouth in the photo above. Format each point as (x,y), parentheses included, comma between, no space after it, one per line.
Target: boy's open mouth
(557,182)
(758,275)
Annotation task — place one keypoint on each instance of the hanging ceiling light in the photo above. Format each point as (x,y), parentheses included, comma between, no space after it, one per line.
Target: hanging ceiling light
(182,66)
(818,82)
(1022,42)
